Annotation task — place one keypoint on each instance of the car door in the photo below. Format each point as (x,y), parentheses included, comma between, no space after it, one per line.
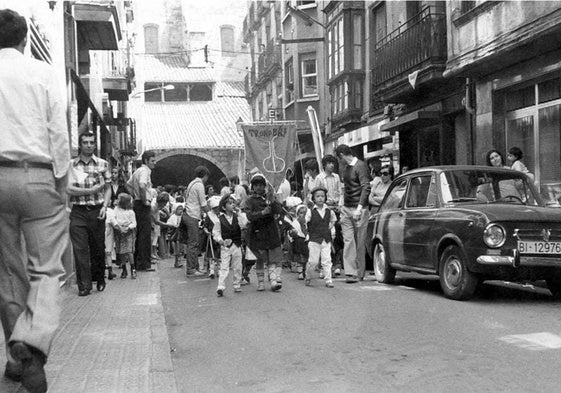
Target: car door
(419,215)
(390,224)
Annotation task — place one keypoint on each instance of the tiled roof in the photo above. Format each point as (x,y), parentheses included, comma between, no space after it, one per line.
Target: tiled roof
(230,89)
(195,125)
(171,68)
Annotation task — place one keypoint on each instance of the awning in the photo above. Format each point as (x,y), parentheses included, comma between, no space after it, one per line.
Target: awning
(118,88)
(82,92)
(97,26)
(418,118)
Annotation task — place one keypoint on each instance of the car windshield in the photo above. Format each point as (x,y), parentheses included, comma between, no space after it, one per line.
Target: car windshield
(481,186)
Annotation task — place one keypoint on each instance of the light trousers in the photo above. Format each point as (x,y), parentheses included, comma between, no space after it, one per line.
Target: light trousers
(230,256)
(354,237)
(30,270)
(319,252)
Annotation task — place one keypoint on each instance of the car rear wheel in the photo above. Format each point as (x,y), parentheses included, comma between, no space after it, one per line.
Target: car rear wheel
(382,269)
(456,280)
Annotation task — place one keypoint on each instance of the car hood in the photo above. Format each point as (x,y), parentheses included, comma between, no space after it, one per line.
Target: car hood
(511,212)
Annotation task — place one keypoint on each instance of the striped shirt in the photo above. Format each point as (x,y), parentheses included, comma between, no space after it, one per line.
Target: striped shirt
(334,188)
(88,175)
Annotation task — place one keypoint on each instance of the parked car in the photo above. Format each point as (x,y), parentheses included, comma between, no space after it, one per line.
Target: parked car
(467,224)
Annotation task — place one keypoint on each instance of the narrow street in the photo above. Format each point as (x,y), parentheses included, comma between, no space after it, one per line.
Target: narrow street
(164,333)
(360,337)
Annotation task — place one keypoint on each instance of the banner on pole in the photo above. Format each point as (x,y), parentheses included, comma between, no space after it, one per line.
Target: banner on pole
(270,149)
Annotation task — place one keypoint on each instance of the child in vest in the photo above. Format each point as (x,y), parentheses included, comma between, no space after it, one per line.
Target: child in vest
(321,229)
(264,237)
(228,233)
(124,224)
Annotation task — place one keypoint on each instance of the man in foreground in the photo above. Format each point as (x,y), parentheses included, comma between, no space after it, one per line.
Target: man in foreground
(34,155)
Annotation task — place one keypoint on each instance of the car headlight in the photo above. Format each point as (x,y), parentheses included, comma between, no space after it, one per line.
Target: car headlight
(494,235)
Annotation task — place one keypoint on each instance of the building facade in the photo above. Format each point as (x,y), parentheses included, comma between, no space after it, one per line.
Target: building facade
(287,75)
(511,53)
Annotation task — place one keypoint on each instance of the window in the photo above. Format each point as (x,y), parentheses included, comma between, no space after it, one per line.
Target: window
(421,194)
(153,92)
(309,78)
(200,92)
(177,94)
(182,92)
(357,42)
(151,38)
(289,75)
(394,197)
(380,25)
(466,6)
(335,50)
(227,40)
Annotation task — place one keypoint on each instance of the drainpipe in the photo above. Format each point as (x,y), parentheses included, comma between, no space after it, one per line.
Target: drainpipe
(470,112)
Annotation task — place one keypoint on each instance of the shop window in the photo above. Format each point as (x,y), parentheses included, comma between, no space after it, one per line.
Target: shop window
(521,98)
(549,90)
(309,78)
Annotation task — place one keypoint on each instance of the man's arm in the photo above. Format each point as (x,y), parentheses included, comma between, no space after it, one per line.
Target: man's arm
(57,128)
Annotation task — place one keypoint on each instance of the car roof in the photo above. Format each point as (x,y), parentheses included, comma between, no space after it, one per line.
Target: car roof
(444,168)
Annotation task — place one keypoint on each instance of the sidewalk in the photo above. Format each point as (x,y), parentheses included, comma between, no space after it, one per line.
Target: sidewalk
(109,342)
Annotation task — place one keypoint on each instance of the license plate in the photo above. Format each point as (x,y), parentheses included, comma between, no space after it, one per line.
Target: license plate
(539,247)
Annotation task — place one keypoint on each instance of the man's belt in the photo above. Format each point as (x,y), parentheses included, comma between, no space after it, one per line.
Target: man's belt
(88,207)
(25,164)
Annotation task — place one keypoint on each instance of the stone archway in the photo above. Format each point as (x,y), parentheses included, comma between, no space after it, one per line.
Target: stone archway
(177,166)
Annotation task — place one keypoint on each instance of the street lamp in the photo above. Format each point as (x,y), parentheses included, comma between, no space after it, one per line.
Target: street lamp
(166,87)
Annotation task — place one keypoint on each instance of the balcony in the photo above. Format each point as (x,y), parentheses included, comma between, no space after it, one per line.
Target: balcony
(419,45)
(269,62)
(126,137)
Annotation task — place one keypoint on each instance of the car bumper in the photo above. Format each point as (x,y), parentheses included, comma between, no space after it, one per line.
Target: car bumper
(517,260)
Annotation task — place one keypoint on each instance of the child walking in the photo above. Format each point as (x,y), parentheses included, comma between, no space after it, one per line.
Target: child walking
(228,233)
(124,223)
(298,235)
(321,229)
(173,233)
(264,237)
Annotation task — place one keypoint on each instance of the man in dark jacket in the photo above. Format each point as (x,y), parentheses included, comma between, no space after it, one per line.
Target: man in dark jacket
(354,212)
(264,237)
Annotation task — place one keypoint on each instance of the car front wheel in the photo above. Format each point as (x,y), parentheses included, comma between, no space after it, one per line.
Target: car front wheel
(456,280)
(382,269)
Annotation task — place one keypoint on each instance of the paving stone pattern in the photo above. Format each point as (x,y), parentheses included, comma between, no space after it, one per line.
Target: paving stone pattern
(115,341)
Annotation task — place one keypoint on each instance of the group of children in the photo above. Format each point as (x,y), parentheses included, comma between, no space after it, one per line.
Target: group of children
(252,237)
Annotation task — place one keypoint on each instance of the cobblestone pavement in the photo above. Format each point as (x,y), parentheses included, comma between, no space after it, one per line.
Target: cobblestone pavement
(114,341)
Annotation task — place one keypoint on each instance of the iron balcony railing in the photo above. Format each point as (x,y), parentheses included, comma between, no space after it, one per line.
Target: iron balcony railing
(419,42)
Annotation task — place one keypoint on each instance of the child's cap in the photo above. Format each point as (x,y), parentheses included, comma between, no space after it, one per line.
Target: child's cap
(292,201)
(258,178)
(300,207)
(318,188)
